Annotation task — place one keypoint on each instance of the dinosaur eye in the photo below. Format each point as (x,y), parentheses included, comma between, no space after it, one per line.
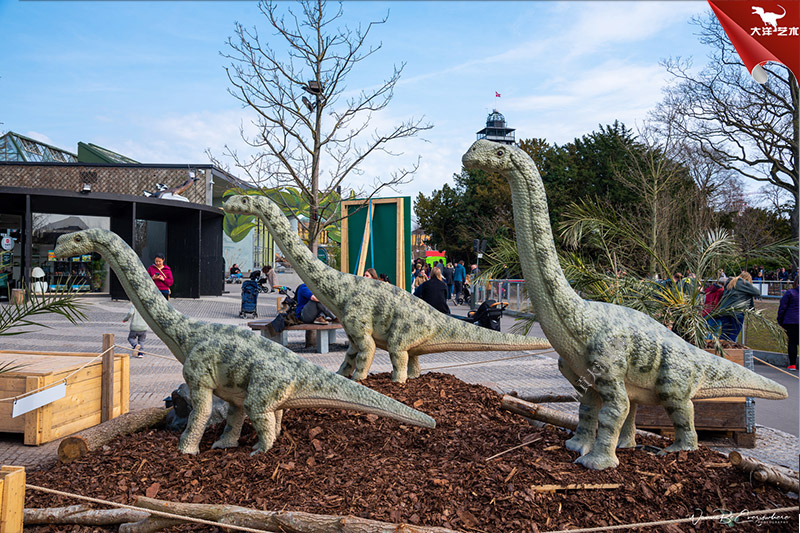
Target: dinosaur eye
(500,153)
(78,238)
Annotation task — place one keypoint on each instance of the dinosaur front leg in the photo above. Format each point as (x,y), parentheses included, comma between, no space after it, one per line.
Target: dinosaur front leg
(201,411)
(366,353)
(627,436)
(399,365)
(609,423)
(233,428)
(681,413)
(263,418)
(349,363)
(590,402)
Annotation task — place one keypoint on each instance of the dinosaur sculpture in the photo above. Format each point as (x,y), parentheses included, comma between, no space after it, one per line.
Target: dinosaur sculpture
(614,356)
(255,376)
(374,313)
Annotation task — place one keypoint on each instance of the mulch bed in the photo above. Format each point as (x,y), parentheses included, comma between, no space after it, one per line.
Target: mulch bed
(345,463)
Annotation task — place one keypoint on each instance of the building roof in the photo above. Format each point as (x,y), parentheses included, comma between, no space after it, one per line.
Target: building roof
(16,147)
(91,153)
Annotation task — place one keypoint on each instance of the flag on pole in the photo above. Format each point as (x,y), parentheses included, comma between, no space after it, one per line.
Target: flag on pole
(496,94)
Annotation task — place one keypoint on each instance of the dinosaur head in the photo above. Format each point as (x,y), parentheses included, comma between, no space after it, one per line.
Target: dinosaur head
(242,204)
(80,242)
(489,156)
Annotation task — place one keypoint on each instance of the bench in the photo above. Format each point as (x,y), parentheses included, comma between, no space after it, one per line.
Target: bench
(325,333)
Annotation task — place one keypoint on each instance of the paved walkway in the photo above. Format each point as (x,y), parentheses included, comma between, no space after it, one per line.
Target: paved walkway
(153,379)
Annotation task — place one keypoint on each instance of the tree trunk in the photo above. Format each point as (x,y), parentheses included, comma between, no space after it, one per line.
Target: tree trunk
(81,515)
(76,446)
(285,521)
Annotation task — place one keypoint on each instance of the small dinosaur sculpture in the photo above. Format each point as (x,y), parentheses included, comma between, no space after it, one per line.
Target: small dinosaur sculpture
(614,356)
(375,313)
(255,376)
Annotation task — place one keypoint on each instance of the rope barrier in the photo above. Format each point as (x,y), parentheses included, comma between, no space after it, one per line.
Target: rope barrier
(152,512)
(45,387)
(135,350)
(694,520)
(795,376)
(486,362)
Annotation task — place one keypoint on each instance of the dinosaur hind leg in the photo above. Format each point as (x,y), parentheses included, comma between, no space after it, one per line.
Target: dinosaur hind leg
(413,366)
(366,353)
(349,363)
(681,413)
(610,420)
(627,435)
(399,365)
(233,428)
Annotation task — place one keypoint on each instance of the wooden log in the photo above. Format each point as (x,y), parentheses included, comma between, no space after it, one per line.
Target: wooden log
(764,473)
(575,486)
(82,515)
(545,414)
(549,397)
(76,446)
(284,521)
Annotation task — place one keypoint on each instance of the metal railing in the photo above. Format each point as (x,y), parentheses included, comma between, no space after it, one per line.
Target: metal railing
(507,290)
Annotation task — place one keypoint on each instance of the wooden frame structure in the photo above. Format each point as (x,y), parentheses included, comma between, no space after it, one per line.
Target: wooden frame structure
(402,235)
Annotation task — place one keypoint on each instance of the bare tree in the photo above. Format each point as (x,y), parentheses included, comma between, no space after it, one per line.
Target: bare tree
(294,83)
(742,126)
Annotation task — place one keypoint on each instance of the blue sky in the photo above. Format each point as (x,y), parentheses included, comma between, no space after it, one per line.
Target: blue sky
(146,79)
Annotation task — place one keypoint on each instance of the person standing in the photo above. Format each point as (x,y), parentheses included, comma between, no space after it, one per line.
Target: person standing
(269,278)
(459,277)
(161,275)
(138,332)
(434,291)
(448,273)
(738,296)
(788,312)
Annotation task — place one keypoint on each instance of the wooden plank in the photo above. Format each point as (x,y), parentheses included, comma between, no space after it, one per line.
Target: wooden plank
(124,365)
(43,365)
(345,244)
(8,424)
(33,426)
(76,425)
(107,391)
(400,268)
(58,354)
(46,416)
(13,495)
(362,259)
(11,386)
(729,416)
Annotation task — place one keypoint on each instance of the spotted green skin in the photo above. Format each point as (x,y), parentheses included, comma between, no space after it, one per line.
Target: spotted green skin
(624,356)
(375,313)
(255,376)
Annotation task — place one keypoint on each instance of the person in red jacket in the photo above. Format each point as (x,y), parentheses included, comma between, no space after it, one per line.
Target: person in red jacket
(713,295)
(161,275)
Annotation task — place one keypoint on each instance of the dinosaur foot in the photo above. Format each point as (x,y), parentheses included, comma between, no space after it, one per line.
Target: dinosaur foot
(598,461)
(225,443)
(359,375)
(190,450)
(678,447)
(580,445)
(259,448)
(626,443)
(398,377)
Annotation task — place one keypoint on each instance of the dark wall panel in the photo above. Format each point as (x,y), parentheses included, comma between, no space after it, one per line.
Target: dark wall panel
(123,223)
(183,254)
(212,271)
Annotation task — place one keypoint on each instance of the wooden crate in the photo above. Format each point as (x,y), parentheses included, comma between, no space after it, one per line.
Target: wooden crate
(730,415)
(79,409)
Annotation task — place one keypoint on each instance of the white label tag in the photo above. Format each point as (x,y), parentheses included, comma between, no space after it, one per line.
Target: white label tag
(38,399)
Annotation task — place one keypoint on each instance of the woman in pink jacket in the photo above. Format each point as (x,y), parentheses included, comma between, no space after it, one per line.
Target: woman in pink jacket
(161,274)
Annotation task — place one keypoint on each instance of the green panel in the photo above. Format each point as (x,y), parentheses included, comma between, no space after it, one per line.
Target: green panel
(384,239)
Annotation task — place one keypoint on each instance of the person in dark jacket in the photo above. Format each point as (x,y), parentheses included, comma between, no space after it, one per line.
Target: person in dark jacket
(434,291)
(738,296)
(309,309)
(448,273)
(788,312)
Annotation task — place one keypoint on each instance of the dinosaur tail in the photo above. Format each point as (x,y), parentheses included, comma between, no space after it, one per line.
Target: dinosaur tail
(458,335)
(333,391)
(724,378)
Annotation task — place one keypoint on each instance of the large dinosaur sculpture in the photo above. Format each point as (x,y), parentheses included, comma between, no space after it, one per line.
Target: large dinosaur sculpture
(374,313)
(614,356)
(255,376)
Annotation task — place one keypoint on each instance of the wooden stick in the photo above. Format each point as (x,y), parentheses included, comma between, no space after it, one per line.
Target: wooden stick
(549,397)
(82,515)
(76,446)
(575,486)
(495,456)
(287,521)
(764,473)
(107,380)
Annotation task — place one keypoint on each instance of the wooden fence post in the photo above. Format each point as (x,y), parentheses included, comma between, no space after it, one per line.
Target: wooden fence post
(17,296)
(107,382)
(12,492)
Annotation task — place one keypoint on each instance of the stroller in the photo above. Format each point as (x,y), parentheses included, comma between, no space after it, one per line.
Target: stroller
(487,315)
(250,297)
(464,296)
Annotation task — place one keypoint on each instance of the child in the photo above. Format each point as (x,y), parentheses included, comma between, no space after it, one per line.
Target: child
(138,332)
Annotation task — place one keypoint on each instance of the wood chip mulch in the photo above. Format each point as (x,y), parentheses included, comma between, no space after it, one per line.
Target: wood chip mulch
(345,463)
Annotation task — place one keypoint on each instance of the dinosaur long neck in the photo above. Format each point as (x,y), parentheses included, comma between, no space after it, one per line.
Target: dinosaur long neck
(323,281)
(555,302)
(165,321)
